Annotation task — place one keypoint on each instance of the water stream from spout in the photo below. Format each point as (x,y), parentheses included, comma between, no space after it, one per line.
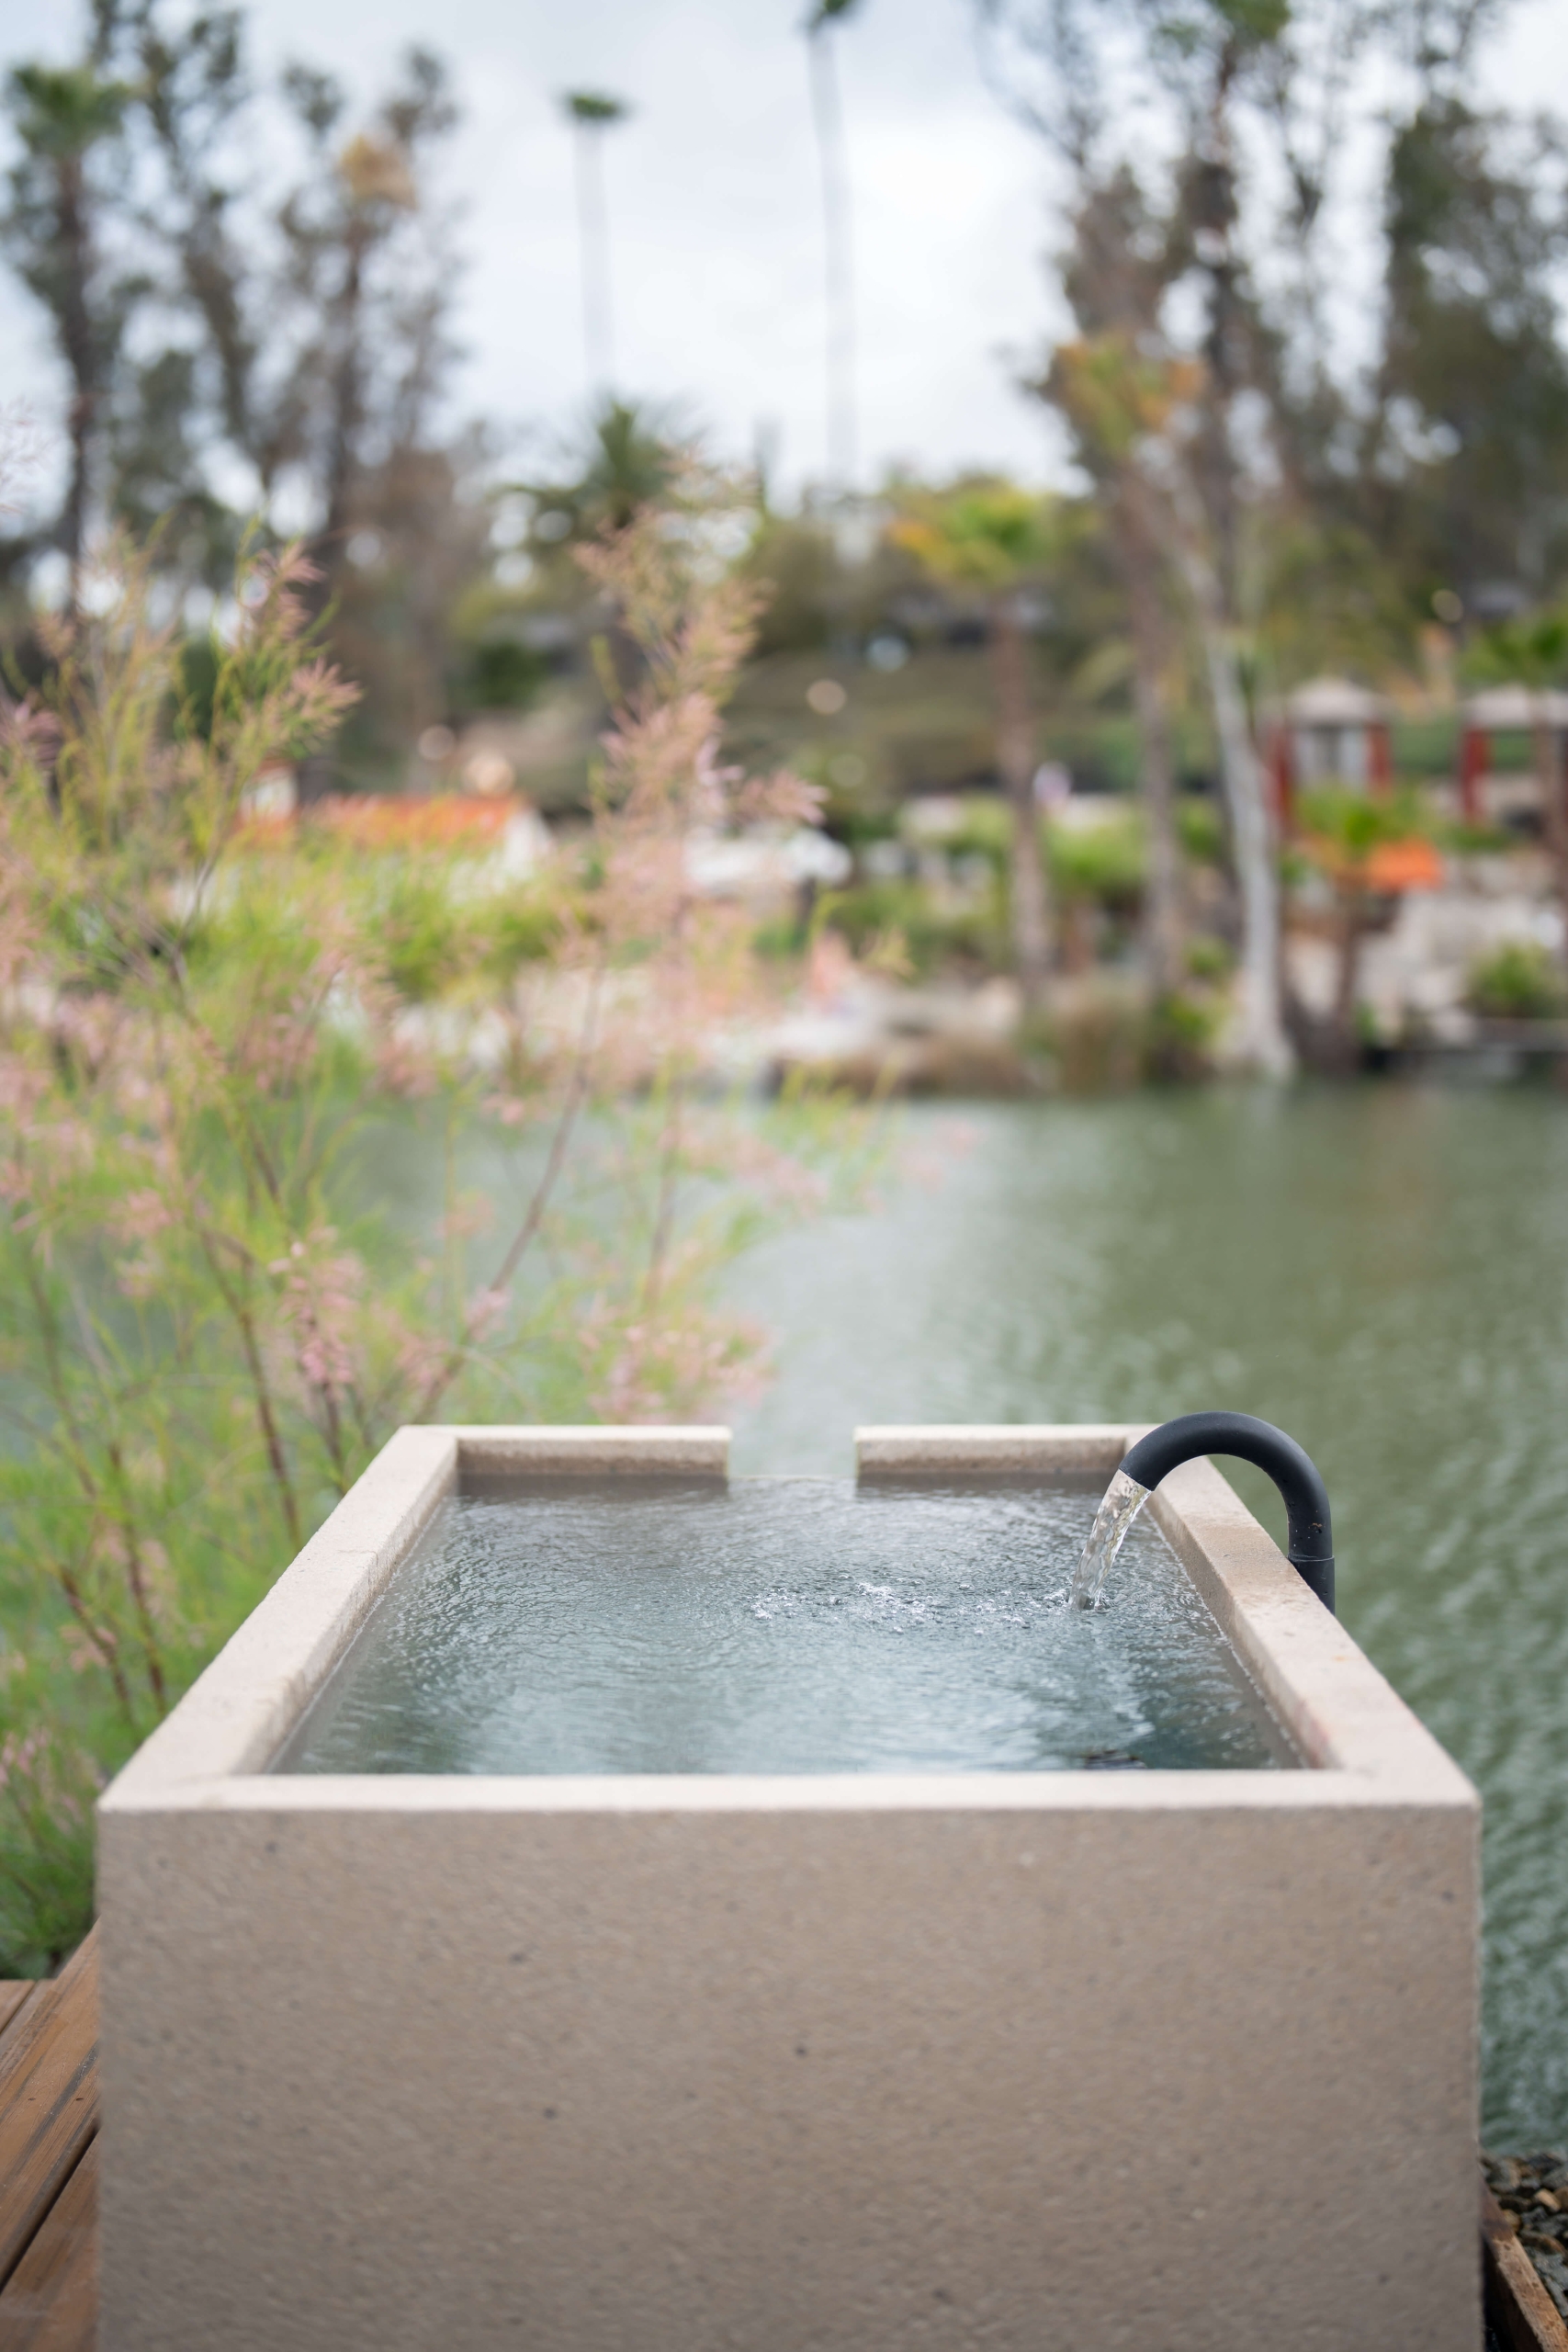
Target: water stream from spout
(1119,1506)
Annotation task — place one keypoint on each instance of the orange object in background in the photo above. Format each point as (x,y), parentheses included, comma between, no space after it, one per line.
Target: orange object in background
(393,819)
(382,819)
(1404,865)
(1393,866)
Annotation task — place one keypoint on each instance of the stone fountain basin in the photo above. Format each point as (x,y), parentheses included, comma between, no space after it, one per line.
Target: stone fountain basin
(660,2063)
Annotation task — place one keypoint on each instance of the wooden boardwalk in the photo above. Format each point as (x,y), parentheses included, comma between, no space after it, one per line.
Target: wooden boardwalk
(49,2183)
(49,2160)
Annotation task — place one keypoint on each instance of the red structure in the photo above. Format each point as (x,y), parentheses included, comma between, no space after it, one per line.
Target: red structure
(1534,712)
(1474,759)
(1329,731)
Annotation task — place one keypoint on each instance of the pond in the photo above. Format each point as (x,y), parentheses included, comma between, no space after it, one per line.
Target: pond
(1381,1271)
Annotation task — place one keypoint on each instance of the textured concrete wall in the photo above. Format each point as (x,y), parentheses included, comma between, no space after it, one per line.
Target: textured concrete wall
(1197,2078)
(1183,2061)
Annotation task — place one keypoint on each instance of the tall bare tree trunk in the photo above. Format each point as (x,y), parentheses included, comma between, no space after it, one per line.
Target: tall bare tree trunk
(1345,1045)
(1263,1043)
(81,350)
(1140,557)
(593,257)
(837,256)
(314,776)
(1015,757)
(1554,807)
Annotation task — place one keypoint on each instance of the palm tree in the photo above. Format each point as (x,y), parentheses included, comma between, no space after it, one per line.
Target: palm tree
(592,113)
(827,114)
(626,456)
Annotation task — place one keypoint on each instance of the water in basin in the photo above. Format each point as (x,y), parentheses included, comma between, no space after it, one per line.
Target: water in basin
(782,1625)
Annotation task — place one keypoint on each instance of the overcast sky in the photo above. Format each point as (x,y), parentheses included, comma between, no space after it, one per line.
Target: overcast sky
(715,209)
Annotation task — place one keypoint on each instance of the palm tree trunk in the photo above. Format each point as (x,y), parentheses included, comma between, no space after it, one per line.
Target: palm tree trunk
(80,347)
(593,253)
(838,258)
(1015,758)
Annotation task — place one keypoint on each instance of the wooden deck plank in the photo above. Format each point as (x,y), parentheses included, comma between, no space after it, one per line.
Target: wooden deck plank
(49,2101)
(1518,2305)
(51,2301)
(14,1992)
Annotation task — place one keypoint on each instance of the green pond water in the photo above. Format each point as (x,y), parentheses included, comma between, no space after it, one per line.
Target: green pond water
(1383,1272)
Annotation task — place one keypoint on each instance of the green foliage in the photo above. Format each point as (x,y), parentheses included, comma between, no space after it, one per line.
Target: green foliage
(420,927)
(985,831)
(981,532)
(1182,1029)
(1518,981)
(217,1055)
(1426,747)
(205,336)
(1344,827)
(594,108)
(1464,840)
(626,458)
(503,673)
(1107,863)
(46,1791)
(518,928)
(1333,600)
(1200,829)
(1477,472)
(900,925)
(60,112)
(1208,958)
(1530,650)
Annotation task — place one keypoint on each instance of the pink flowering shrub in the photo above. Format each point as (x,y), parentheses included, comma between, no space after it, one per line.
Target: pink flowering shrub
(218,1060)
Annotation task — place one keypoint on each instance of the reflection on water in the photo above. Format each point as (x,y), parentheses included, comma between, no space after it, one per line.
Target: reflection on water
(1381,1272)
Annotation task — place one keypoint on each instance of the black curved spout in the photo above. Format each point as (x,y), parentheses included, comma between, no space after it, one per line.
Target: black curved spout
(1304,1496)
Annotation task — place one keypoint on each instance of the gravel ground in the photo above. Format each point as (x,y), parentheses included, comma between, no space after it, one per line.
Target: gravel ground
(1533,2192)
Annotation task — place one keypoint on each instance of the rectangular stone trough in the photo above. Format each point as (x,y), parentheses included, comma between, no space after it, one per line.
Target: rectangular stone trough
(1179,2061)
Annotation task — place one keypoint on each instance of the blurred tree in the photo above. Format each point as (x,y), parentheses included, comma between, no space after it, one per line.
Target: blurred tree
(290,356)
(67,123)
(1342,834)
(326,371)
(1115,276)
(592,113)
(986,533)
(1468,451)
(626,456)
(1227,75)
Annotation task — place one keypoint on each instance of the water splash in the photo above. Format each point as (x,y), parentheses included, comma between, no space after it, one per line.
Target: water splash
(1119,1506)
